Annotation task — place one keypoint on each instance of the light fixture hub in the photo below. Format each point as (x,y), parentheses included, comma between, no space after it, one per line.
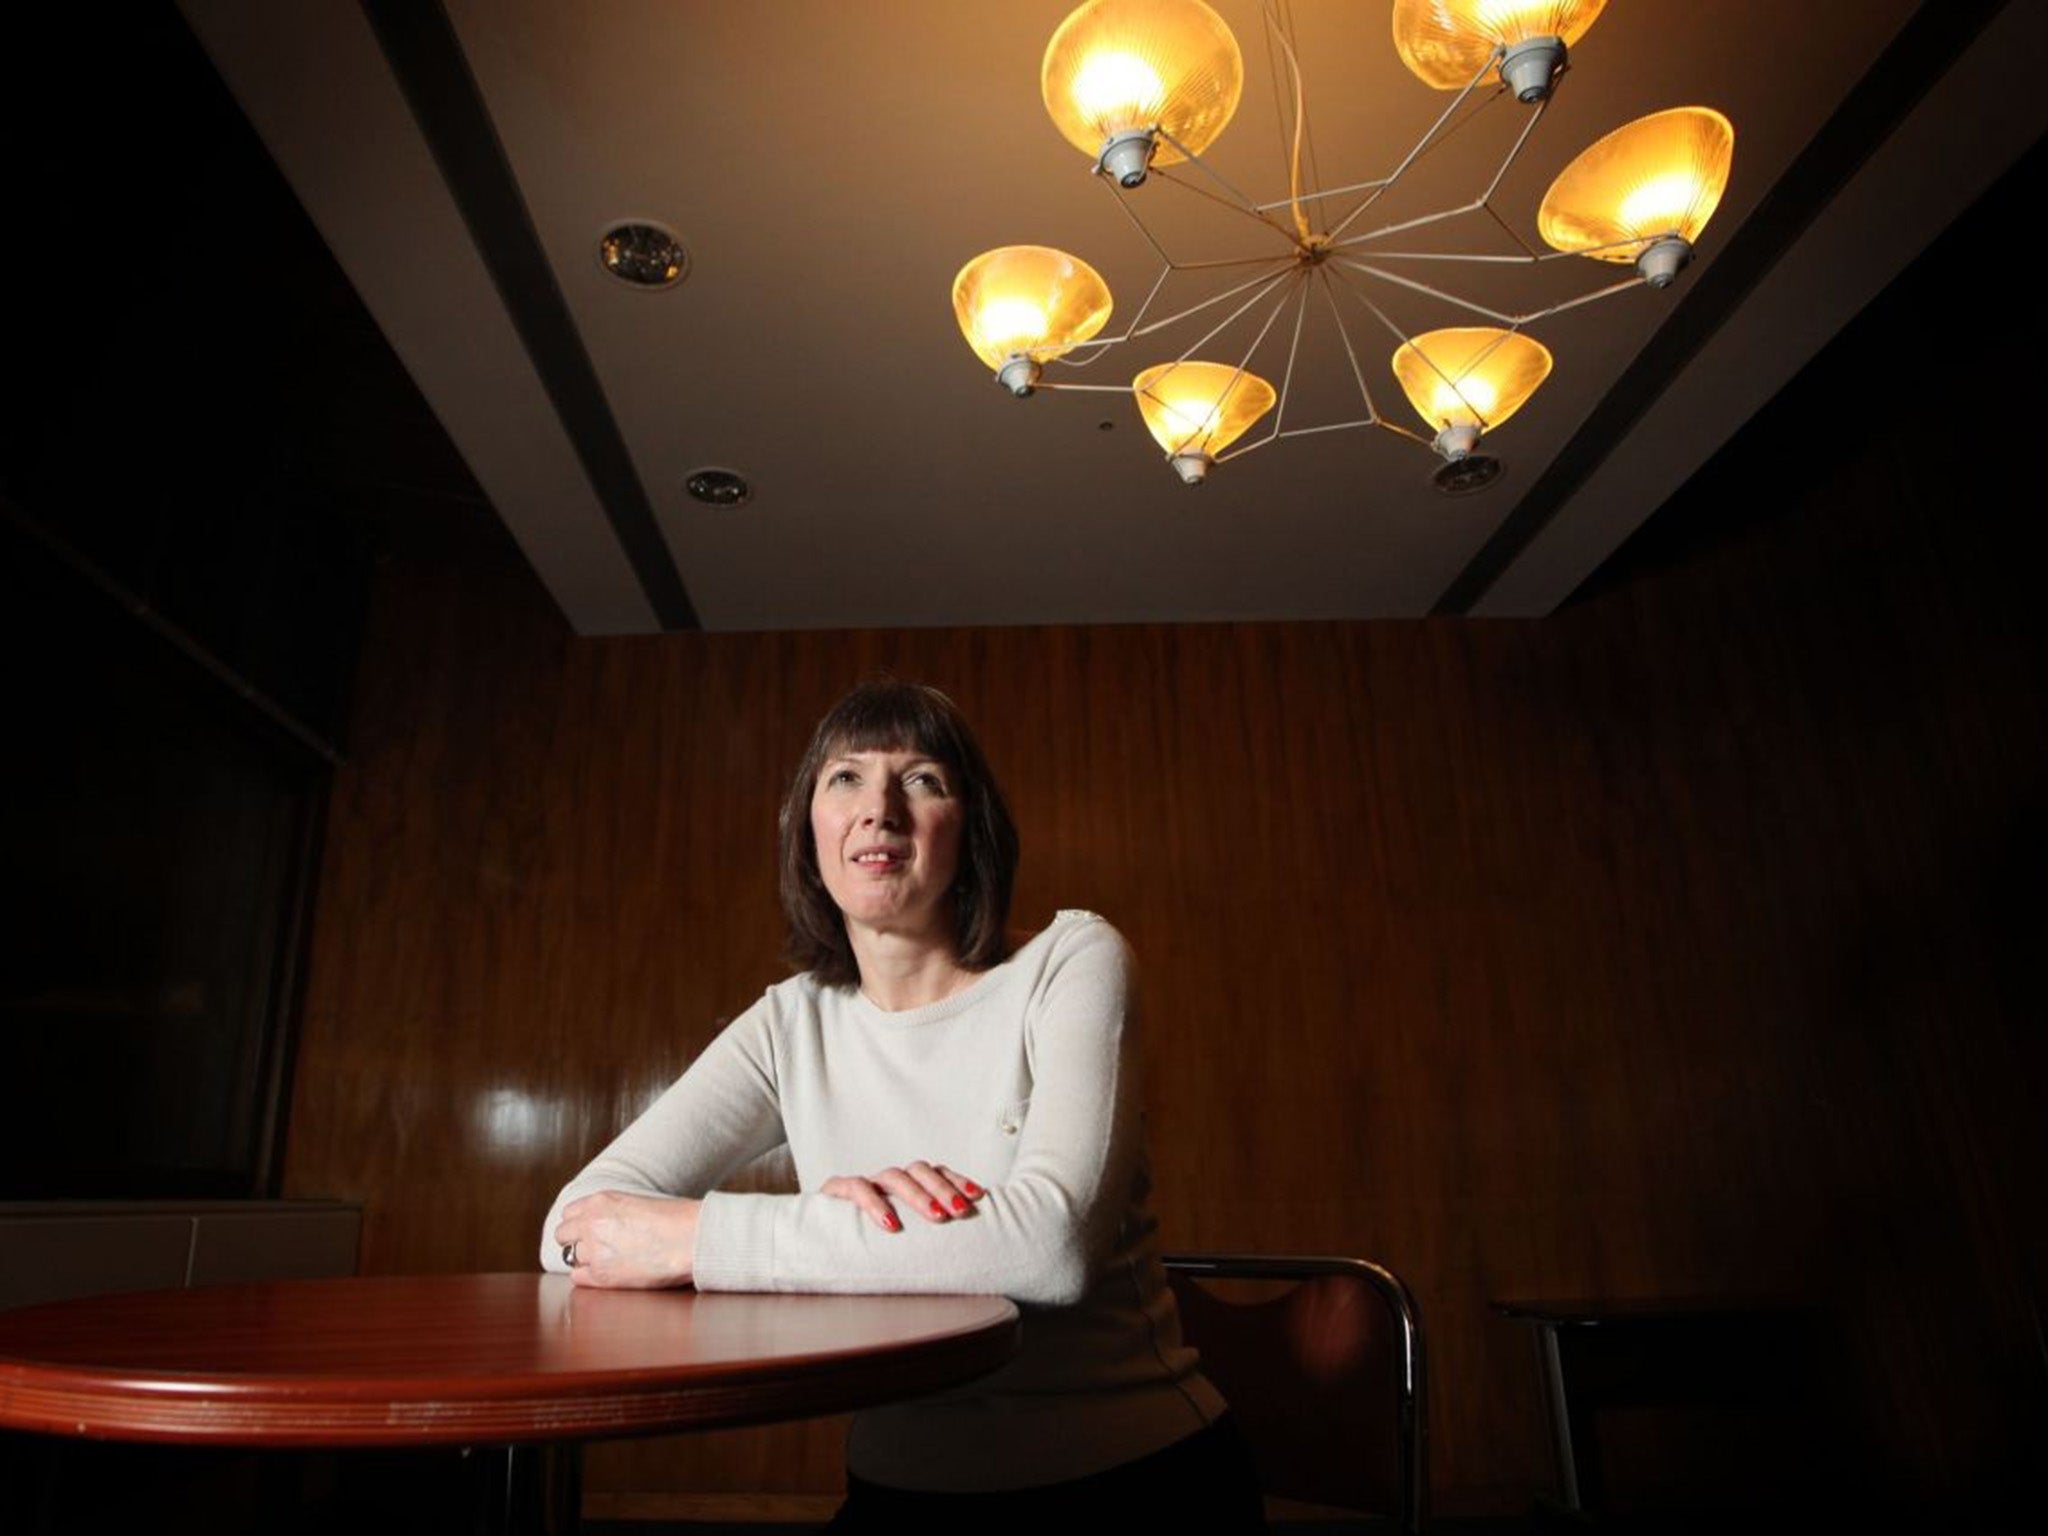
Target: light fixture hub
(1019,375)
(1127,156)
(1532,66)
(1456,440)
(1662,259)
(1193,467)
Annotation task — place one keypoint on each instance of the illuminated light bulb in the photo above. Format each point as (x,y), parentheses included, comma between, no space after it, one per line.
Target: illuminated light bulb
(1447,42)
(1644,192)
(1659,203)
(1019,306)
(1116,70)
(1119,86)
(1468,379)
(1196,410)
(1017,324)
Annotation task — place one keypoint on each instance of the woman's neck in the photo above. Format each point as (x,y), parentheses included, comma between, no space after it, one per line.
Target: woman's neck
(899,971)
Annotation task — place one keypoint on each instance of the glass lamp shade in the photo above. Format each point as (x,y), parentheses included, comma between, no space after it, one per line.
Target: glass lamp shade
(1659,176)
(1127,66)
(1445,42)
(1028,301)
(1473,376)
(1200,409)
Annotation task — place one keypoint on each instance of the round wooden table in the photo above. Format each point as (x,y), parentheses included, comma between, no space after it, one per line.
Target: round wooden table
(473,1359)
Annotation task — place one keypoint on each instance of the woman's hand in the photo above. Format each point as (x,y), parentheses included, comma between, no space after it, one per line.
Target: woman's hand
(933,1190)
(629,1242)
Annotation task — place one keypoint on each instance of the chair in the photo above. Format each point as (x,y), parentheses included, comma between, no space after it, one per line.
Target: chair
(1326,1377)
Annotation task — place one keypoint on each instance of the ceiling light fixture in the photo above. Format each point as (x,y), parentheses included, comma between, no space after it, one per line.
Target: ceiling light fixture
(717,487)
(643,255)
(1643,193)
(1120,78)
(1196,410)
(1023,305)
(1143,87)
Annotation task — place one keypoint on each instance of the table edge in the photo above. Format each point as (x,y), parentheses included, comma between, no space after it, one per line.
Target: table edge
(105,1404)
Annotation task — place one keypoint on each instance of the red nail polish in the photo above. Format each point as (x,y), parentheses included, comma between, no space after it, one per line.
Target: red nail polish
(959,1204)
(938,1209)
(973,1189)
(892,1223)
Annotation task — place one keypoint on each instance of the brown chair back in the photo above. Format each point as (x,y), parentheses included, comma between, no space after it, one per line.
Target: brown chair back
(1321,1362)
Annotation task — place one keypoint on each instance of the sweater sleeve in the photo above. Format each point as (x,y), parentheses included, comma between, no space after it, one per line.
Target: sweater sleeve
(719,1115)
(1039,1235)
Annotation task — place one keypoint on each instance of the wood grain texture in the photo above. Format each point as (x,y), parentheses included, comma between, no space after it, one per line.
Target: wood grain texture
(471,1360)
(1670,945)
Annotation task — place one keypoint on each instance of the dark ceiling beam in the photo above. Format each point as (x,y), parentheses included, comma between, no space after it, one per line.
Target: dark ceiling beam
(426,57)
(1925,49)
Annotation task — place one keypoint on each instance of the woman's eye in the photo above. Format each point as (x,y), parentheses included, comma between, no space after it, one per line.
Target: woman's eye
(840,776)
(928,781)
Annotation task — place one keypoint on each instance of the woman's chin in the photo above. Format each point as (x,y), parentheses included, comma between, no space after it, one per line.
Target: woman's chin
(898,921)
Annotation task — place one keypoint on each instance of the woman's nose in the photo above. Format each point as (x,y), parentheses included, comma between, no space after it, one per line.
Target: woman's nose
(881,807)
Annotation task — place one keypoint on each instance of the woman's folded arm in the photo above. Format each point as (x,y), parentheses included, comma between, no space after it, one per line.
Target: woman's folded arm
(1038,1232)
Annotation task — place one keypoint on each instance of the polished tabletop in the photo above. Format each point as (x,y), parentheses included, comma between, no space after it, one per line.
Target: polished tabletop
(473,1359)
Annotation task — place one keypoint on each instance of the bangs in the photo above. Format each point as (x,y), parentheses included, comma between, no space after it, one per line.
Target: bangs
(885,717)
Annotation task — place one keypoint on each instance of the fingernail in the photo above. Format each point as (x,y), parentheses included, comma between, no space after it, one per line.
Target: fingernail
(938,1209)
(973,1189)
(892,1223)
(959,1204)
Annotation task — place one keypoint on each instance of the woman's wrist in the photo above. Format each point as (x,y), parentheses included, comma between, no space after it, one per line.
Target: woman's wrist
(617,1239)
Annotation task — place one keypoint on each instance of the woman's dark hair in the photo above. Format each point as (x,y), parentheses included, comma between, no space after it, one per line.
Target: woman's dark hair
(891,716)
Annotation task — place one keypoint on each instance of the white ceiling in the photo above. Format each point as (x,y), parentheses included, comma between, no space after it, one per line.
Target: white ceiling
(831,166)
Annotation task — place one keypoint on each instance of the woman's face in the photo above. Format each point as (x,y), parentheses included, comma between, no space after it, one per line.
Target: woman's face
(886,825)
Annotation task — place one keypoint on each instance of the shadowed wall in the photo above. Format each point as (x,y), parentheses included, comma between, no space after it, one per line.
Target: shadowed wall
(1670,945)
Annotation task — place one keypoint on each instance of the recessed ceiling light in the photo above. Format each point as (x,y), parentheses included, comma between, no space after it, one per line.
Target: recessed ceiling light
(1474,472)
(643,254)
(718,487)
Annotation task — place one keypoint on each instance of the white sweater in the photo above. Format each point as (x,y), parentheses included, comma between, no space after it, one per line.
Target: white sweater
(1025,1082)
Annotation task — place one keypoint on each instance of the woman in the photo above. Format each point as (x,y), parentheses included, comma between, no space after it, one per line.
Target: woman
(963,1118)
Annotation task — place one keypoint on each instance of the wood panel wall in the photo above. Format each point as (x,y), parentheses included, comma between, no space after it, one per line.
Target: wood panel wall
(1671,945)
